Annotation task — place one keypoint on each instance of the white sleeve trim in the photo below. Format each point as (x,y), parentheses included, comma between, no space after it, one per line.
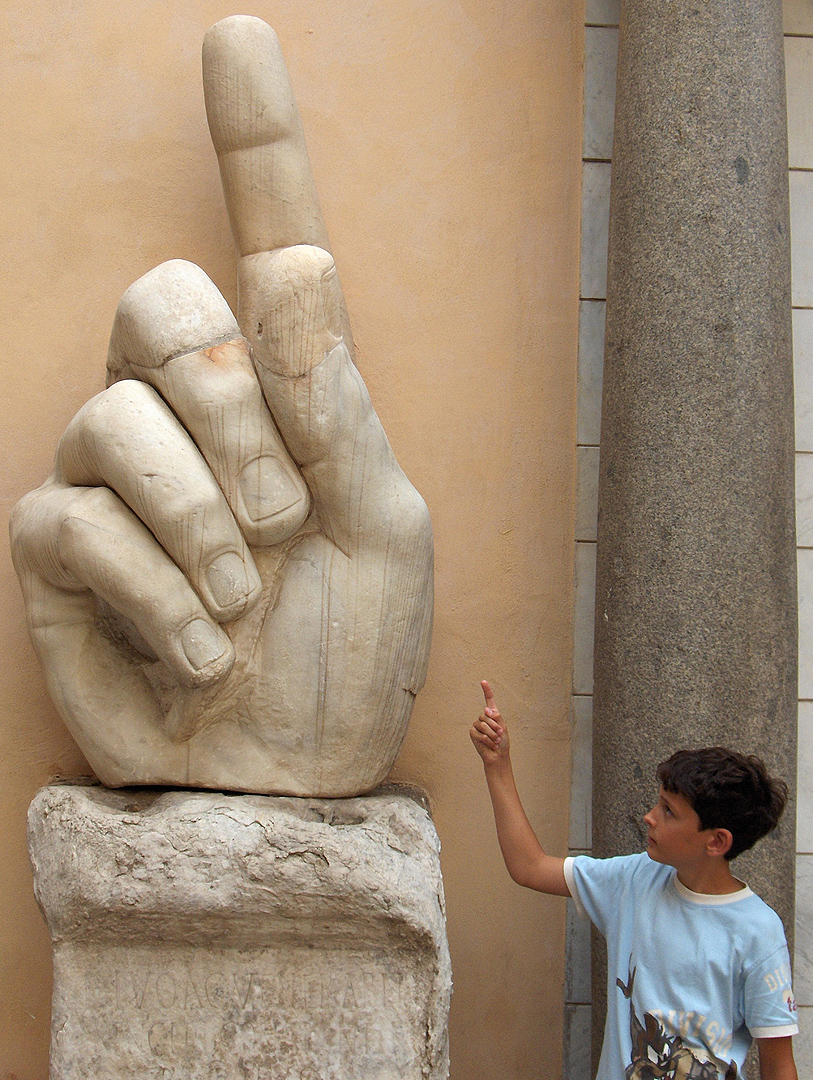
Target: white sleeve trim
(571,884)
(774,1032)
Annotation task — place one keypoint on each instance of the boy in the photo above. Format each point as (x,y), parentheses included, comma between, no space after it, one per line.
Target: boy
(697,964)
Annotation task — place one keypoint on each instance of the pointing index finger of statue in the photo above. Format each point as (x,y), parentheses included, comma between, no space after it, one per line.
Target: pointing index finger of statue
(174,331)
(257,134)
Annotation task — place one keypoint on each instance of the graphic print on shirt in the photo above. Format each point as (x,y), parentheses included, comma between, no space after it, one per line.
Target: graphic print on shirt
(659,1056)
(779,979)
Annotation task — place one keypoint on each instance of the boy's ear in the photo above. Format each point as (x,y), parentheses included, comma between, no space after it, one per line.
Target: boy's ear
(720,841)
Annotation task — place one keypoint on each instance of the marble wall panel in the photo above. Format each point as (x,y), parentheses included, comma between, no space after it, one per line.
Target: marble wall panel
(803,1043)
(600,61)
(586,492)
(803,973)
(580,836)
(804,797)
(602,12)
(591,366)
(804,500)
(595,229)
(798,16)
(799,76)
(801,234)
(804,564)
(583,617)
(803,368)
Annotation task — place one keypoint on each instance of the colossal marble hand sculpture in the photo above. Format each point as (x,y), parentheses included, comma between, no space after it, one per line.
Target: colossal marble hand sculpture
(228,577)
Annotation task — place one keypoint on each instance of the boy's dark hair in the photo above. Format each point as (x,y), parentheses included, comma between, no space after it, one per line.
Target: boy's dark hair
(727,790)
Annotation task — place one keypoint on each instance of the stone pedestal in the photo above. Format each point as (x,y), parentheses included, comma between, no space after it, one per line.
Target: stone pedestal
(240,937)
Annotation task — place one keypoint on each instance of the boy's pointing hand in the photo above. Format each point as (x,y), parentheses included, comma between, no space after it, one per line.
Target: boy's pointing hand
(488,732)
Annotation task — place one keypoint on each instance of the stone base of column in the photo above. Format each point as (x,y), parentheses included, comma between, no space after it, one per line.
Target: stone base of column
(200,936)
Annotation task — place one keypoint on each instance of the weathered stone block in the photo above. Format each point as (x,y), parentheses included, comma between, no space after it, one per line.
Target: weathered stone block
(202,936)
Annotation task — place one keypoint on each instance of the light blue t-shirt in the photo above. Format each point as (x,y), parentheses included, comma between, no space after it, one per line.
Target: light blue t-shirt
(692,977)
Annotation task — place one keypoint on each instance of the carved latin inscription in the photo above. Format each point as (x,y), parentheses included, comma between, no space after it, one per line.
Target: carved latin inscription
(235,1017)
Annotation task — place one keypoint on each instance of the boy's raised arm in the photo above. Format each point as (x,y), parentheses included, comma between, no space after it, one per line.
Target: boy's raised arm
(527,863)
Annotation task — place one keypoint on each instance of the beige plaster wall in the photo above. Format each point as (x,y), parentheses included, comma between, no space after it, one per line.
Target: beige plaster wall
(445,138)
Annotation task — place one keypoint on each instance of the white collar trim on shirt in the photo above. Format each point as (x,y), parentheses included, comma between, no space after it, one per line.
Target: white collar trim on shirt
(710,898)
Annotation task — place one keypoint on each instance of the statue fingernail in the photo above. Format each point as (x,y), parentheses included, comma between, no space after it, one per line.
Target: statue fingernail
(267,488)
(228,580)
(202,644)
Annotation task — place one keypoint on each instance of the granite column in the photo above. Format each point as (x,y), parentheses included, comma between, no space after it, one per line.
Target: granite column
(696,589)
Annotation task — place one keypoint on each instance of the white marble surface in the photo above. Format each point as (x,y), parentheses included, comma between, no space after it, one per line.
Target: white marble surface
(799,78)
(228,578)
(803,369)
(803,1043)
(591,369)
(801,235)
(804,804)
(583,617)
(580,835)
(804,562)
(602,12)
(586,492)
(804,500)
(595,229)
(600,62)
(798,16)
(798,19)
(803,972)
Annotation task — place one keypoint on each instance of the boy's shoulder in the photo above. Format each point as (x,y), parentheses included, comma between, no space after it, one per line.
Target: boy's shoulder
(616,869)
(597,882)
(757,923)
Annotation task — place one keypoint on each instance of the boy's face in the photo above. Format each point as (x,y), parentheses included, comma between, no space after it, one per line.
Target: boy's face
(675,836)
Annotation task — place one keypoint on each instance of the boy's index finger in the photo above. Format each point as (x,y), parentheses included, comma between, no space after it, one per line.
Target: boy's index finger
(488,694)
